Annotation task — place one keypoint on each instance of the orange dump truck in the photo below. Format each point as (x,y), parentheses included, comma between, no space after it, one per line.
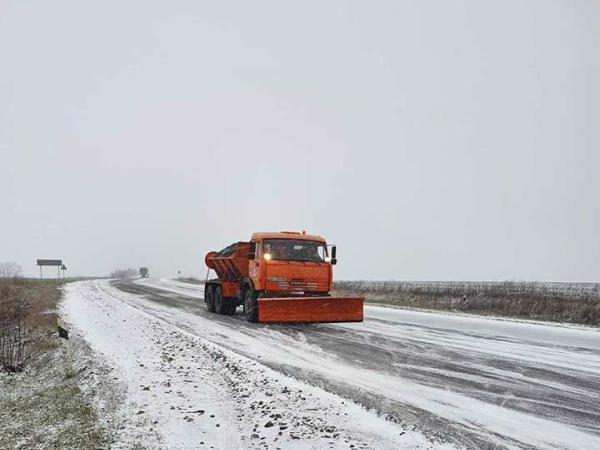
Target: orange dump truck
(278,277)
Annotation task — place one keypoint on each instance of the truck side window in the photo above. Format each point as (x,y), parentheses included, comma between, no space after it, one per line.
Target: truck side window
(323,252)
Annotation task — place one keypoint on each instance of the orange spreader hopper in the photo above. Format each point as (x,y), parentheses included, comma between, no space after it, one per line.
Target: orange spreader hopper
(310,309)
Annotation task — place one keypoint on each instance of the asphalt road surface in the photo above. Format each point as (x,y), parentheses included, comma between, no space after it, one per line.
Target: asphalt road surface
(478,382)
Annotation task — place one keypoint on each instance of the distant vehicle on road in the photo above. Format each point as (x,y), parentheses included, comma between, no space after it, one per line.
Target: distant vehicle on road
(144,273)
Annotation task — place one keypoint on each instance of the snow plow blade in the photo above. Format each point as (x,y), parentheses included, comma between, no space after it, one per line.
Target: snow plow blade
(310,309)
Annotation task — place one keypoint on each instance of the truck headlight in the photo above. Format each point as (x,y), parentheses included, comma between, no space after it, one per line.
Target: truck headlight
(267,256)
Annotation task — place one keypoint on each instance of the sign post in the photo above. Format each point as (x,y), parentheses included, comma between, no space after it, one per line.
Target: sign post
(49,262)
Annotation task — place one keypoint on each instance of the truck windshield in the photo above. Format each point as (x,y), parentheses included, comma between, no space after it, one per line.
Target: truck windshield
(295,250)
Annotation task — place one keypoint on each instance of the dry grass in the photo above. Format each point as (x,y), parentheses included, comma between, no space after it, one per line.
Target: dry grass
(43,297)
(41,404)
(577,303)
(27,315)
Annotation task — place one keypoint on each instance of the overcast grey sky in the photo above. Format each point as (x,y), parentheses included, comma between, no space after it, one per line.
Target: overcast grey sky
(430,140)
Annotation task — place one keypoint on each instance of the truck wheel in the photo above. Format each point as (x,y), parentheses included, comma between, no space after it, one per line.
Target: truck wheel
(209,295)
(251,306)
(219,304)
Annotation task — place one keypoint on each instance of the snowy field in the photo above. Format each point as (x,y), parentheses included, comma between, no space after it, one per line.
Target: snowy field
(183,391)
(504,382)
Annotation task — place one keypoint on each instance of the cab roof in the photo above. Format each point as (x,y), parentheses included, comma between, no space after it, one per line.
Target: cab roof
(287,235)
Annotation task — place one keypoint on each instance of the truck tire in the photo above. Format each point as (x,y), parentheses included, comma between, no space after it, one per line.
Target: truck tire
(209,293)
(222,305)
(219,304)
(251,306)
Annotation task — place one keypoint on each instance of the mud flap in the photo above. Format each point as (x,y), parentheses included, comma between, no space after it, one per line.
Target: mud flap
(310,309)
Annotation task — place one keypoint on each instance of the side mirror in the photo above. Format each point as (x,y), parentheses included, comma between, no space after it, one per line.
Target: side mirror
(252,252)
(333,255)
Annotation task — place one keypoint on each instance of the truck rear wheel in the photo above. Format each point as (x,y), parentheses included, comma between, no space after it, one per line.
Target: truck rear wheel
(251,306)
(209,294)
(219,305)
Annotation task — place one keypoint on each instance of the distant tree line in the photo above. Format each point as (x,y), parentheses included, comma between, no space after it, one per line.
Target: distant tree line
(10,270)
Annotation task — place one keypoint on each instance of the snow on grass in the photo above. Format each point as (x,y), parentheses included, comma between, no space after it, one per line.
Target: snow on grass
(196,394)
(45,406)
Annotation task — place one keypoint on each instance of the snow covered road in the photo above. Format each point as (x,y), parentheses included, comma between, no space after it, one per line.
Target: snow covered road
(183,392)
(484,381)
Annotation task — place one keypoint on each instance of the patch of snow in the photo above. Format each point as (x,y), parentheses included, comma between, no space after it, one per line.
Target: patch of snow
(177,287)
(557,349)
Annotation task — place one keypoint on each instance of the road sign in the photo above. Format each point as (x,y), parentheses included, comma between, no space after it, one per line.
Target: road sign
(49,262)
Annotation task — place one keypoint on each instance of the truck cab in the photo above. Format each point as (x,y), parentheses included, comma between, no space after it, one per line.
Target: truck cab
(290,263)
